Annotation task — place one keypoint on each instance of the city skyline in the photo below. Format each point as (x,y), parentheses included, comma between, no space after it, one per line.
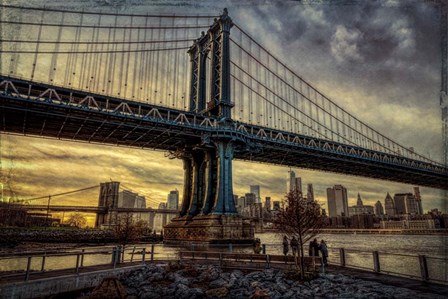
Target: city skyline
(352,73)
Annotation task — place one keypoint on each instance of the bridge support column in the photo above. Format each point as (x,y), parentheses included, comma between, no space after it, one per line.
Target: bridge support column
(225,204)
(211,216)
(198,178)
(186,198)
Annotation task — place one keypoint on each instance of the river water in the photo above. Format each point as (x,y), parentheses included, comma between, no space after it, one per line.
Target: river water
(398,254)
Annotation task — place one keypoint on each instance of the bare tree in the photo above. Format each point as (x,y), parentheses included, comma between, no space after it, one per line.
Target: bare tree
(300,218)
(127,230)
(77,219)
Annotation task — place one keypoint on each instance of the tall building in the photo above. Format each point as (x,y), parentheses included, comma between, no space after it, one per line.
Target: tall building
(293,182)
(310,192)
(379,211)
(337,201)
(405,204)
(242,202)
(255,189)
(173,200)
(250,199)
(389,205)
(299,185)
(359,200)
(418,199)
(267,203)
(360,208)
(129,199)
(290,181)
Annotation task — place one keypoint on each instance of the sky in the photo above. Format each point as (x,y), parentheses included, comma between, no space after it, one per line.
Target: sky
(380,60)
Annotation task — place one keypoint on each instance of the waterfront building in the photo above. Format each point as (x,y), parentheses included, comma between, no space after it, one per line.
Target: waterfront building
(310,192)
(409,224)
(362,221)
(255,189)
(254,210)
(379,211)
(173,200)
(267,203)
(337,201)
(250,199)
(405,204)
(129,199)
(389,205)
(360,209)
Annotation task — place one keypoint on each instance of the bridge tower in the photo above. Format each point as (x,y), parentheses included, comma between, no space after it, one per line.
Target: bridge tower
(208,213)
(108,200)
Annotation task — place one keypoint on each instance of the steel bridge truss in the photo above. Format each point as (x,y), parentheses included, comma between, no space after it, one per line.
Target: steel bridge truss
(30,108)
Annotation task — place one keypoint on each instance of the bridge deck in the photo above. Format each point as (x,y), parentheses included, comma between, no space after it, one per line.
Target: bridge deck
(51,111)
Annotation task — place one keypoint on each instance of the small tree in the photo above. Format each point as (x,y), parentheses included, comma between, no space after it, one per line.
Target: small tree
(302,219)
(127,230)
(77,220)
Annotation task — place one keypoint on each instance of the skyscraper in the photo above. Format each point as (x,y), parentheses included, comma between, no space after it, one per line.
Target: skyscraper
(290,181)
(405,203)
(255,189)
(418,199)
(389,205)
(173,200)
(310,192)
(379,211)
(337,201)
(293,183)
(359,200)
(250,199)
(267,203)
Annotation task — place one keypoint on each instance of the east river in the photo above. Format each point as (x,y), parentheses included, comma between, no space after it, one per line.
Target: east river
(398,254)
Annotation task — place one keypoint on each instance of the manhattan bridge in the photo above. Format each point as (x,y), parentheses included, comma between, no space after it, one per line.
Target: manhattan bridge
(199,88)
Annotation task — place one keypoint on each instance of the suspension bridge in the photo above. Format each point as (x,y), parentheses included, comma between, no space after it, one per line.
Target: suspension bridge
(199,87)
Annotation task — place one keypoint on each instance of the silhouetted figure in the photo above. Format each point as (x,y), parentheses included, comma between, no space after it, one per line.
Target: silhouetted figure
(294,246)
(257,246)
(315,246)
(324,250)
(285,245)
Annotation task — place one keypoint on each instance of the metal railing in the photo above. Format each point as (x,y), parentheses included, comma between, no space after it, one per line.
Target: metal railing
(73,261)
(422,267)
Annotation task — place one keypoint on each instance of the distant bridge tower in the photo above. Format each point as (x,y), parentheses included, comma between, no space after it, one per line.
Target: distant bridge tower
(108,199)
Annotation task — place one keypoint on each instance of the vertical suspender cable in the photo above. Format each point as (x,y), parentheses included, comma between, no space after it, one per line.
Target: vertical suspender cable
(33,70)
(128,60)
(54,57)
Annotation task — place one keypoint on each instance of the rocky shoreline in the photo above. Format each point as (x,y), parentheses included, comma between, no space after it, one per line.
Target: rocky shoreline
(209,281)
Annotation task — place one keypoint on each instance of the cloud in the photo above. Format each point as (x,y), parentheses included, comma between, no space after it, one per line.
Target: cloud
(344,45)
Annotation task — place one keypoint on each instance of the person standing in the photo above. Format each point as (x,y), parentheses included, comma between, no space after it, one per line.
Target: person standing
(324,250)
(315,247)
(294,246)
(285,245)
